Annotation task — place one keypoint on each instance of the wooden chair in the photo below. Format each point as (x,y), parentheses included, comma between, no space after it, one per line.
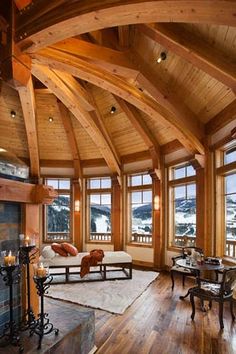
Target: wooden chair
(175,269)
(215,291)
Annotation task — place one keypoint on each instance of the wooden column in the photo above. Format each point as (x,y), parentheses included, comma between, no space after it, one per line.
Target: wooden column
(116,214)
(157,238)
(76,215)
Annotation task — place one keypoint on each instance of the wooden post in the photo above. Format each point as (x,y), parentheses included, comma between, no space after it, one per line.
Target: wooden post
(76,215)
(116,214)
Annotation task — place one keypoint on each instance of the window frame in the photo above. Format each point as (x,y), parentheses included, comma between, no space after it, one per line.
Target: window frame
(129,190)
(98,191)
(60,192)
(171,184)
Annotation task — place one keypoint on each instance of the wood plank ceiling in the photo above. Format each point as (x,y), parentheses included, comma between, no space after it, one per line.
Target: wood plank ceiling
(94,55)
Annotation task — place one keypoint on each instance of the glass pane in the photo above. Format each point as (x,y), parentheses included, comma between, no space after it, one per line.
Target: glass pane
(230,156)
(147,179)
(94,183)
(100,219)
(142,219)
(185,217)
(95,199)
(64,184)
(191,190)
(136,197)
(179,172)
(106,199)
(106,183)
(190,171)
(147,197)
(179,192)
(52,183)
(136,180)
(58,215)
(230,208)
(230,183)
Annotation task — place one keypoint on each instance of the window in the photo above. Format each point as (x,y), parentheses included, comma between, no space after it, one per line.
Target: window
(99,209)
(140,208)
(230,206)
(182,196)
(57,215)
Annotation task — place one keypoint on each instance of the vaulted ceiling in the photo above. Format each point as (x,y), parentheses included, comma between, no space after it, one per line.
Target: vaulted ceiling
(74,60)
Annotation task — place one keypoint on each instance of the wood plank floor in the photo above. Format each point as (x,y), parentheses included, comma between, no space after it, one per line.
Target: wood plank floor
(159,323)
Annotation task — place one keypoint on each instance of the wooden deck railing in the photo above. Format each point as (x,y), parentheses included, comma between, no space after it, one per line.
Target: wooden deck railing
(141,238)
(101,237)
(58,236)
(230,248)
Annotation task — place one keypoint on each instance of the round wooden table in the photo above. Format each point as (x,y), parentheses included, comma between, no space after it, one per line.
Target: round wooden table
(197,268)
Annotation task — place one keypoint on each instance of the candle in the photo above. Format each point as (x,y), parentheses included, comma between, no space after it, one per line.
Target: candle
(9,260)
(26,241)
(41,271)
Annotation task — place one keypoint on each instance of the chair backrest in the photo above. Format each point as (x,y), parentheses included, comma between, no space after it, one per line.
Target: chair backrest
(228,281)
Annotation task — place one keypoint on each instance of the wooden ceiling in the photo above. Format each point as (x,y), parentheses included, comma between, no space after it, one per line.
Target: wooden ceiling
(74,60)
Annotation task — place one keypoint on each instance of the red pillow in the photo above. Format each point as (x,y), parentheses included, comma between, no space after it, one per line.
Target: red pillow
(59,249)
(69,248)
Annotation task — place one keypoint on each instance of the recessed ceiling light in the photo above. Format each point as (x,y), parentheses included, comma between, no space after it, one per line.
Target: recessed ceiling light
(161,57)
(13,114)
(113,109)
(2,150)
(50,119)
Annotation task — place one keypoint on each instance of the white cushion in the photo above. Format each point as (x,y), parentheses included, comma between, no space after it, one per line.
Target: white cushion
(109,258)
(48,252)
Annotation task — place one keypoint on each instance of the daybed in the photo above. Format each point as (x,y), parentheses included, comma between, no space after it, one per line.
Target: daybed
(115,265)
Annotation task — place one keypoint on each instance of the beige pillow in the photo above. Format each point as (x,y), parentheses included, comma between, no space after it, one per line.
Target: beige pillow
(48,252)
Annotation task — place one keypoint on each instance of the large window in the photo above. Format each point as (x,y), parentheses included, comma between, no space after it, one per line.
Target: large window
(182,188)
(99,209)
(140,208)
(57,215)
(230,205)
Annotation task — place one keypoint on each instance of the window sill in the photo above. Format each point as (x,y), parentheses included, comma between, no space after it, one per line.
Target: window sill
(99,242)
(137,244)
(229,260)
(176,249)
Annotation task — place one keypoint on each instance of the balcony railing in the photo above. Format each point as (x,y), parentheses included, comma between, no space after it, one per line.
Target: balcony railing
(184,241)
(58,236)
(230,248)
(141,238)
(100,237)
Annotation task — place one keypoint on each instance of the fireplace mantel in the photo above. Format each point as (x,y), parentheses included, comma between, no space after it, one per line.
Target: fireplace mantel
(16,191)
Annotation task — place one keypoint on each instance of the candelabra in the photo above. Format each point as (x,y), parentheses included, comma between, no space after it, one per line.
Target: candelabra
(42,325)
(11,275)
(26,258)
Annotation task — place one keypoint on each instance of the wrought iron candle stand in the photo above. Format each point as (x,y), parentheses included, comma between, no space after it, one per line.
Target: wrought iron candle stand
(11,275)
(25,259)
(42,325)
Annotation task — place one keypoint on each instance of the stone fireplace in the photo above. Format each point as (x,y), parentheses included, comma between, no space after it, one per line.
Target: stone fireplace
(10,228)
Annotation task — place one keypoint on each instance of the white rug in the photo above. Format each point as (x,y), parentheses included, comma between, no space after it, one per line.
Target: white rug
(113,296)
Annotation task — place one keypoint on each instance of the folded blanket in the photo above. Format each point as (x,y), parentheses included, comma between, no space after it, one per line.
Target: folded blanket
(92,259)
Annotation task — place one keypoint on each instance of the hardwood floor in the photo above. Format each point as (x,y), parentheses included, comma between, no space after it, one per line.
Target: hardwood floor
(159,323)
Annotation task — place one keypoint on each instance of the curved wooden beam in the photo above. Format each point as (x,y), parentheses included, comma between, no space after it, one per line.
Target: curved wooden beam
(45,23)
(66,120)
(54,59)
(50,79)
(27,100)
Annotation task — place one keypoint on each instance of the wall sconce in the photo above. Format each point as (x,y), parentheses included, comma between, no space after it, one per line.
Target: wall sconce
(156,203)
(77,205)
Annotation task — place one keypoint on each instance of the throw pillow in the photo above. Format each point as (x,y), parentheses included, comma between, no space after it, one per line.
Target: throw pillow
(48,252)
(69,248)
(58,249)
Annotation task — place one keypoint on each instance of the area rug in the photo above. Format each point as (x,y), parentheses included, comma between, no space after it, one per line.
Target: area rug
(114,296)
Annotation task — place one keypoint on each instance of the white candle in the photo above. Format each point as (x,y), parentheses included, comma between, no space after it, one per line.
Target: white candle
(41,271)
(9,260)
(26,241)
